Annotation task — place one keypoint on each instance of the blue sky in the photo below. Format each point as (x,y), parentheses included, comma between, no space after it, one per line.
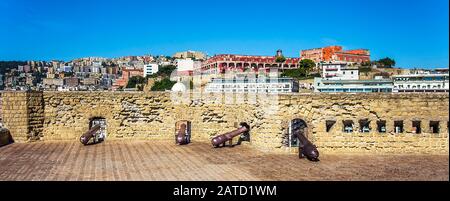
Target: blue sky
(414,33)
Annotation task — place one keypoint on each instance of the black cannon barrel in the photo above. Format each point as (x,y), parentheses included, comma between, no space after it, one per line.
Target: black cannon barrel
(84,139)
(306,147)
(220,139)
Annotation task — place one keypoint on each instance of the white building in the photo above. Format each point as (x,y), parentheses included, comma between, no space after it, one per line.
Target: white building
(339,71)
(352,86)
(421,83)
(150,69)
(97,63)
(95,69)
(266,85)
(187,66)
(67,69)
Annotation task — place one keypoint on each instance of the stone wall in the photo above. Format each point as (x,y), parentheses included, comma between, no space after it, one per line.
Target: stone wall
(23,114)
(134,115)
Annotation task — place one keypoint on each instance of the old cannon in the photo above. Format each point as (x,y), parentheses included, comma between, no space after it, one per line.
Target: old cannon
(94,134)
(243,129)
(306,148)
(183,136)
(5,137)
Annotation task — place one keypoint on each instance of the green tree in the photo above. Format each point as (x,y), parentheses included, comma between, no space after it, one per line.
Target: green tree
(165,70)
(364,69)
(6,66)
(280,59)
(68,74)
(39,76)
(134,81)
(302,72)
(306,66)
(366,63)
(293,73)
(386,62)
(164,84)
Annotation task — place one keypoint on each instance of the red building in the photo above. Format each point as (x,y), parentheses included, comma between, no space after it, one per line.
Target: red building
(126,74)
(241,63)
(356,56)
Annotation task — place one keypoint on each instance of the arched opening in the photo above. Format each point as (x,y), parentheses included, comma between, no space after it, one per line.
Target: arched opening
(97,131)
(183,132)
(298,137)
(103,125)
(295,125)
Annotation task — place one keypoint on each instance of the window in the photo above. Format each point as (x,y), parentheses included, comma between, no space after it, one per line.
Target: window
(348,126)
(329,124)
(381,126)
(398,126)
(416,127)
(364,126)
(434,126)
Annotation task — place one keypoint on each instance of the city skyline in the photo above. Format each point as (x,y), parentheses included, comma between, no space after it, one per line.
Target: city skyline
(415,34)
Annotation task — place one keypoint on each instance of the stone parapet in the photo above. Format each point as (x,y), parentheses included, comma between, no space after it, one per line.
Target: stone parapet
(137,115)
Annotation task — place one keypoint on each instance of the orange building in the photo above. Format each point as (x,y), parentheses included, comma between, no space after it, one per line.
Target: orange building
(329,51)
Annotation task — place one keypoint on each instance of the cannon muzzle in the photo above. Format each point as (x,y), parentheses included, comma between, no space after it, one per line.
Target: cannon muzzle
(182,137)
(306,148)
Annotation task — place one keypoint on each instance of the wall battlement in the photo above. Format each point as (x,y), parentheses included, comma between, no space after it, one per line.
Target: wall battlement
(34,116)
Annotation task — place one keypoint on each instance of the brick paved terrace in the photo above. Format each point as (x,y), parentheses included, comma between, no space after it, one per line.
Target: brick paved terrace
(162,160)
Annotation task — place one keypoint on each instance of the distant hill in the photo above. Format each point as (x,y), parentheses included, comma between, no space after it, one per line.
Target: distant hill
(6,65)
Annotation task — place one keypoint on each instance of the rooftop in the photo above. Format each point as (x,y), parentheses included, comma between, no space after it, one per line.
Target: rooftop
(381,81)
(254,80)
(422,75)
(162,160)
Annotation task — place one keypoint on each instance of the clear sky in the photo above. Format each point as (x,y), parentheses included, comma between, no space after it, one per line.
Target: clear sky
(414,33)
